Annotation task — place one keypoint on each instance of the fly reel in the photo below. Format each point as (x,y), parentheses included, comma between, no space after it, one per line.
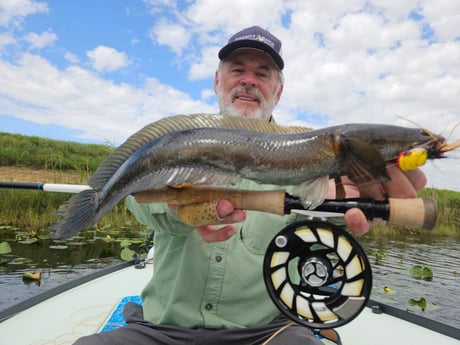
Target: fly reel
(317,274)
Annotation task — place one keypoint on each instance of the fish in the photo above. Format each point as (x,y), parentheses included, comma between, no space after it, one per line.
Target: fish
(205,149)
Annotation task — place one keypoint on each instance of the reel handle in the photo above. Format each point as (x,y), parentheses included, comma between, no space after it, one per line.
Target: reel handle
(418,212)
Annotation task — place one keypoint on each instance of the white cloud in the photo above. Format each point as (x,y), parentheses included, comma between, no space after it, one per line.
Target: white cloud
(173,36)
(38,41)
(72,58)
(106,59)
(205,66)
(34,89)
(443,16)
(207,94)
(5,40)
(209,15)
(12,12)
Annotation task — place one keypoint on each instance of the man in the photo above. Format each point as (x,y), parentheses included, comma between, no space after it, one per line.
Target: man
(208,284)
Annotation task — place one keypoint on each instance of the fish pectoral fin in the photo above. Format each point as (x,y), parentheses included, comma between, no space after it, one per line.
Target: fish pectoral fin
(363,163)
(312,192)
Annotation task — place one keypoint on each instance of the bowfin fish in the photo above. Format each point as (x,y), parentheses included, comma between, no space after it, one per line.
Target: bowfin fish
(221,150)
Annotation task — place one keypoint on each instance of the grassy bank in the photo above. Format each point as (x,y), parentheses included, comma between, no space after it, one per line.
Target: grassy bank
(34,159)
(55,155)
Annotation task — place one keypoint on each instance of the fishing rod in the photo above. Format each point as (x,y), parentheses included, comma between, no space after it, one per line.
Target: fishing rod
(46,187)
(418,212)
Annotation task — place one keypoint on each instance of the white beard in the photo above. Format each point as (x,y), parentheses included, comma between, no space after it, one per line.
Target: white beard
(227,107)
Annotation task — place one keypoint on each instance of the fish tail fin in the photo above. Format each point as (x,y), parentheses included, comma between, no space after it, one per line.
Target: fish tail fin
(80,213)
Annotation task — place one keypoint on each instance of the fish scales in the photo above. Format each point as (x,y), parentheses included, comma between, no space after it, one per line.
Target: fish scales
(220,150)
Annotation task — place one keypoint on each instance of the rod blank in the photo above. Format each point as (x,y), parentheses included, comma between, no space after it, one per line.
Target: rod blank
(46,187)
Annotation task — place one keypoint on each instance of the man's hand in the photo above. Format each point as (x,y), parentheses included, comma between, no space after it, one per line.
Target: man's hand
(402,185)
(228,215)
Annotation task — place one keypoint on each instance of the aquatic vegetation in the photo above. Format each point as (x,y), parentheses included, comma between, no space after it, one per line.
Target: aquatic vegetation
(421,303)
(421,272)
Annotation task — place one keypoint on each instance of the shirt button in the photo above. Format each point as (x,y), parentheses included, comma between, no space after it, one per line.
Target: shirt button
(218,258)
(208,306)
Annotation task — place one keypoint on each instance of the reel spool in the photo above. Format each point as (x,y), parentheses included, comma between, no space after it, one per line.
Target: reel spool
(317,274)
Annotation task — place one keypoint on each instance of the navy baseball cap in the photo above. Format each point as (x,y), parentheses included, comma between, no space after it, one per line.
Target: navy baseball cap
(257,38)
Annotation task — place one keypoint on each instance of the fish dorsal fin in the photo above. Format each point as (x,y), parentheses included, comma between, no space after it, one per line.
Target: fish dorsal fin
(177,123)
(362,163)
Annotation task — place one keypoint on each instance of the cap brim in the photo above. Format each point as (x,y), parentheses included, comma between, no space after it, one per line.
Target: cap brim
(229,48)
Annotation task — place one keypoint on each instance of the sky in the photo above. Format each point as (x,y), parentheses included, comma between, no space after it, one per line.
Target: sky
(97,71)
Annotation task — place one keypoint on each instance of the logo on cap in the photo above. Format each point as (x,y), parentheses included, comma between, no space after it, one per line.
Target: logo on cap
(256,37)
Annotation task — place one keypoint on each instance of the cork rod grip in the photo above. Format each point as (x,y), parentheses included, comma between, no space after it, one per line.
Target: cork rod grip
(418,212)
(271,201)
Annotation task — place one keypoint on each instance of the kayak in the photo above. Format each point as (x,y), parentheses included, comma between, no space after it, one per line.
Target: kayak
(93,303)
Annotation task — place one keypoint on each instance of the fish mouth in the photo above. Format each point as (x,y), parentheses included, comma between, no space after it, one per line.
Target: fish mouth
(436,145)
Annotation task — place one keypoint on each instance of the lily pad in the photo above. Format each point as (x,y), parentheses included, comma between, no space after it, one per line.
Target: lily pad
(135,240)
(127,254)
(7,227)
(379,254)
(421,272)
(29,241)
(58,246)
(20,261)
(421,303)
(5,248)
(75,243)
(125,243)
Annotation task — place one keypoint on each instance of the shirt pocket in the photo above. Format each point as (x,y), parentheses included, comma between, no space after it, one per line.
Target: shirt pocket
(260,228)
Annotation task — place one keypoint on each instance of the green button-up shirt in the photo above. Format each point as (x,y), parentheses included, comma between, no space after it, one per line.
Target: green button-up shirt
(210,285)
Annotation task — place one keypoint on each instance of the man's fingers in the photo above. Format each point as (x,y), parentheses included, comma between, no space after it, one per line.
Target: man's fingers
(356,221)
(417,178)
(400,186)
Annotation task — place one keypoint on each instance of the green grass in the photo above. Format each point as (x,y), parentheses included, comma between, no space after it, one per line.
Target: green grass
(41,153)
(34,210)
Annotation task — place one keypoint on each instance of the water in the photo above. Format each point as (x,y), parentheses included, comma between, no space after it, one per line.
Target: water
(391,269)
(57,266)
